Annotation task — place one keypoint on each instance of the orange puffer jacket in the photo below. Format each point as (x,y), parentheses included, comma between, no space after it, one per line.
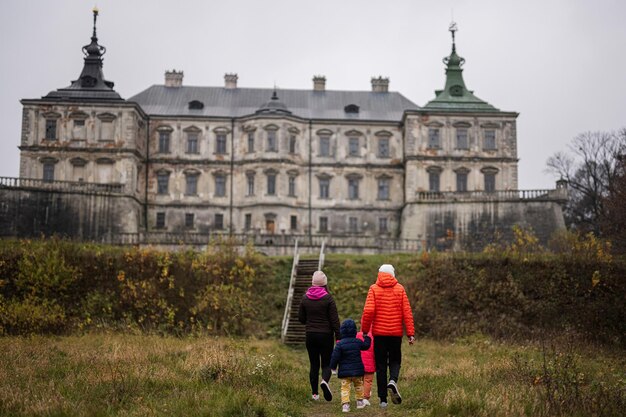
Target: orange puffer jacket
(387,308)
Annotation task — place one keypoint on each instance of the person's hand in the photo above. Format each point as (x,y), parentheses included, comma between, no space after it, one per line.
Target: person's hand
(411,340)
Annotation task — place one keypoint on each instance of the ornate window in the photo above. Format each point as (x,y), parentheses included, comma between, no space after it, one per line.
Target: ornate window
(271,182)
(383,187)
(220,143)
(489,174)
(250,183)
(324,184)
(383,147)
(48,169)
(353,186)
(164,140)
(462,141)
(51,129)
(434,175)
(382,225)
(218,222)
(163,179)
(160,220)
(292,185)
(490,139)
(250,142)
(189,220)
(191,183)
(323,224)
(461,179)
(272,142)
(192,142)
(433,138)
(324,146)
(292,144)
(353,225)
(353,146)
(220,184)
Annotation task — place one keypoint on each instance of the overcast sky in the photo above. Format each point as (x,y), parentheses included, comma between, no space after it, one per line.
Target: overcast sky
(560,63)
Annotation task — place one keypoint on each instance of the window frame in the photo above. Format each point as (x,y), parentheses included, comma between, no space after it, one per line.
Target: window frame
(190,224)
(272,140)
(191,184)
(324,150)
(354,144)
(383,147)
(323,224)
(166,184)
(353,188)
(324,187)
(218,221)
(221,144)
(251,142)
(434,138)
(383,225)
(164,141)
(160,220)
(220,181)
(51,129)
(386,183)
(271,183)
(192,138)
(292,186)
(489,139)
(249,184)
(460,130)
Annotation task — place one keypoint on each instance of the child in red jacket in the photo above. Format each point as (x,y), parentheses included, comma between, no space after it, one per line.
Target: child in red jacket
(367,356)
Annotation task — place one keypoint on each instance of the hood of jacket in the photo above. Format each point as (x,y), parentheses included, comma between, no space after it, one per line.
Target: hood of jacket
(315,293)
(348,328)
(386,280)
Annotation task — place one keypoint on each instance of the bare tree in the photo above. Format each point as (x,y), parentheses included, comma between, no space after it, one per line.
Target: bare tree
(591,167)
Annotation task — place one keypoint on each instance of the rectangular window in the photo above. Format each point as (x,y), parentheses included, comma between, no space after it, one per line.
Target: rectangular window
(433,138)
(164,142)
(250,181)
(191,184)
(293,224)
(292,186)
(48,171)
(189,218)
(250,142)
(163,180)
(353,188)
(353,146)
(271,184)
(220,144)
(490,182)
(323,224)
(106,130)
(271,141)
(353,224)
(160,220)
(461,139)
(324,146)
(292,144)
(324,188)
(192,143)
(248,221)
(433,181)
(382,225)
(51,129)
(490,139)
(220,185)
(383,188)
(78,131)
(219,221)
(383,147)
(461,181)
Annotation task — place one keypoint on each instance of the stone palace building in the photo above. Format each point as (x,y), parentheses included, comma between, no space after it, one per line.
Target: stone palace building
(363,170)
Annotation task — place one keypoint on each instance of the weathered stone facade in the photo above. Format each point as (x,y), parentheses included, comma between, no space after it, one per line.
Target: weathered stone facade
(301,163)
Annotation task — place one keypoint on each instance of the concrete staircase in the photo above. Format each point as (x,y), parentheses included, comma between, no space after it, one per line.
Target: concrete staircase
(295,334)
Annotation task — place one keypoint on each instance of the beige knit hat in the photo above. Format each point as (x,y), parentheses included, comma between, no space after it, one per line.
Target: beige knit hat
(319,279)
(388,268)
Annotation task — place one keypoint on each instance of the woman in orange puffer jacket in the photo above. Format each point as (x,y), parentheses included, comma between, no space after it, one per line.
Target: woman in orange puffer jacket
(386,310)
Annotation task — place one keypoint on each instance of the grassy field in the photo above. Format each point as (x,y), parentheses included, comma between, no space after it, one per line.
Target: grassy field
(114,374)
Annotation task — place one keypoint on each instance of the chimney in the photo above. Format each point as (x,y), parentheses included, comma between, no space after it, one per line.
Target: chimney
(380,84)
(173,78)
(230,80)
(319,83)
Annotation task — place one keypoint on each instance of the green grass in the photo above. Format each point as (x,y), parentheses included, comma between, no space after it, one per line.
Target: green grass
(114,374)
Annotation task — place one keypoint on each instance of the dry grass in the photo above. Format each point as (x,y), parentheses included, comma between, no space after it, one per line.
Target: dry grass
(142,375)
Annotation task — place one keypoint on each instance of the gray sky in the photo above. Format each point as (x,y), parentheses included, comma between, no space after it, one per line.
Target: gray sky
(560,63)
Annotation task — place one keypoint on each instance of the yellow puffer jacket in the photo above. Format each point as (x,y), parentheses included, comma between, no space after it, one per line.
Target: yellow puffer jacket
(387,308)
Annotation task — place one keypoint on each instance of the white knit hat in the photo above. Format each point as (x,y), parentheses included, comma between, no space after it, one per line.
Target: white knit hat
(388,268)
(319,279)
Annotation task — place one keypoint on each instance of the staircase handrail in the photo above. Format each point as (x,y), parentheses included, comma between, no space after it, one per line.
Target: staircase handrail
(320,264)
(292,281)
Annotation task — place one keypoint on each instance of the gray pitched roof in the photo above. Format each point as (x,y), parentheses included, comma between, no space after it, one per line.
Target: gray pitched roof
(222,102)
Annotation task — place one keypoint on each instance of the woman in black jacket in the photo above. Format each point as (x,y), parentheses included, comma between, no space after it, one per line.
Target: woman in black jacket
(318,313)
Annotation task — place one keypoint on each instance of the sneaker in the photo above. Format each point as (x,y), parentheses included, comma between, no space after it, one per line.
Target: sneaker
(395,394)
(328,396)
(315,397)
(366,402)
(360,404)
(383,404)
(345,408)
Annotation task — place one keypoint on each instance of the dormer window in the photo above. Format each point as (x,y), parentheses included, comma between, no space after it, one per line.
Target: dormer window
(351,108)
(196,105)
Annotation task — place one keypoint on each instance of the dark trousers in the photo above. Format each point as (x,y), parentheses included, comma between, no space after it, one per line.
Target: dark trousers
(319,345)
(388,354)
